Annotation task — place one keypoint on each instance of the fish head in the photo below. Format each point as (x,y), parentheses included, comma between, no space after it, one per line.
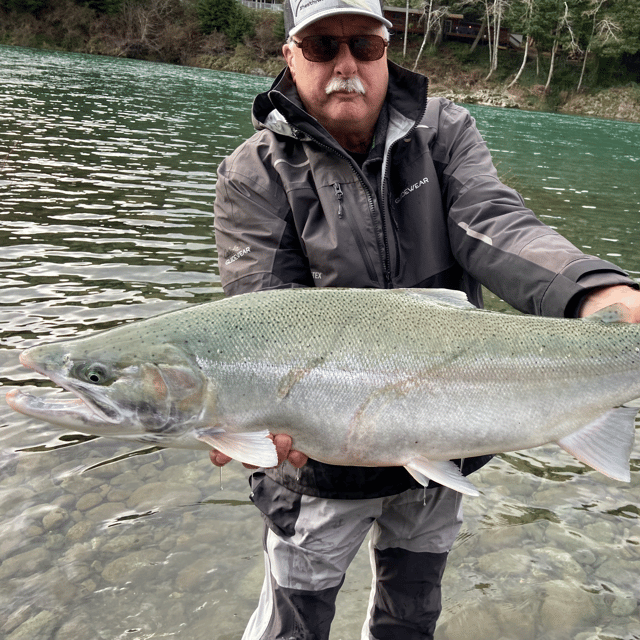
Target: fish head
(146,392)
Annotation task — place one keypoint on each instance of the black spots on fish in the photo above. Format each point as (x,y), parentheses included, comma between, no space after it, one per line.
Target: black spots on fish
(386,330)
(633,351)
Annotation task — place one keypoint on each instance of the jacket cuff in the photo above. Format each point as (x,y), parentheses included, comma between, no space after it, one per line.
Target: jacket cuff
(579,279)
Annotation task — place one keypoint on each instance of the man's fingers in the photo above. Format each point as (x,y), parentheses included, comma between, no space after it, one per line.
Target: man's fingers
(218,458)
(283,445)
(297,459)
(285,452)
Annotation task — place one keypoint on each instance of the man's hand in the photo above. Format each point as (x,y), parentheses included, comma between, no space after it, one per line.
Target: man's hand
(618,294)
(283,448)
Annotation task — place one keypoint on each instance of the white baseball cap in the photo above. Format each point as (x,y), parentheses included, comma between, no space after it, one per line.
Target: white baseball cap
(299,14)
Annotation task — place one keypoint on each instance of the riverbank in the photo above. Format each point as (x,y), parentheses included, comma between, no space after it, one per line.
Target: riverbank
(465,82)
(617,103)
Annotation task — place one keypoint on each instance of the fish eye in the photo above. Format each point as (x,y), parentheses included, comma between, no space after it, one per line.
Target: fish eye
(94,373)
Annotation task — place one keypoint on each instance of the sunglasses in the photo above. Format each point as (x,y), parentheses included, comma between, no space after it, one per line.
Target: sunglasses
(326,48)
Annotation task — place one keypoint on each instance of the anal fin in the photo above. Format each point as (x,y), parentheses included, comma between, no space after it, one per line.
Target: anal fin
(254,447)
(443,472)
(605,444)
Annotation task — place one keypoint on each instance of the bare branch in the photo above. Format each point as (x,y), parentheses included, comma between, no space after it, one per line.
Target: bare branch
(607,30)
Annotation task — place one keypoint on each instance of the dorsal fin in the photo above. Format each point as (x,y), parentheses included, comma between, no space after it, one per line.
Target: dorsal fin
(448,297)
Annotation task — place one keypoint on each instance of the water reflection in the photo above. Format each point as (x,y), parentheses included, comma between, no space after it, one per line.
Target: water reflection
(580,175)
(107,172)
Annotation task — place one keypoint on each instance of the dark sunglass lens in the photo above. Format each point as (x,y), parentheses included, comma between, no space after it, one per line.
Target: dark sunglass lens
(367,49)
(320,48)
(326,48)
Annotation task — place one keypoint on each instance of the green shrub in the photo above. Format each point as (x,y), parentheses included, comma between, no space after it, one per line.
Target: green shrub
(268,33)
(33,7)
(226,16)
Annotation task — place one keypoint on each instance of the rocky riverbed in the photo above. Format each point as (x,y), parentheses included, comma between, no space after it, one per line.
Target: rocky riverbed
(153,546)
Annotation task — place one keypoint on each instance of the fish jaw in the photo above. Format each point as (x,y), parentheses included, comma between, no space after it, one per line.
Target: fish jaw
(63,410)
(161,400)
(69,412)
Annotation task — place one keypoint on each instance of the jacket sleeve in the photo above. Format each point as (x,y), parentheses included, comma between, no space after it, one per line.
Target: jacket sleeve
(258,247)
(496,238)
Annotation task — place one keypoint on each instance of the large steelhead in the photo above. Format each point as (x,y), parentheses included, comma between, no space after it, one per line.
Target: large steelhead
(364,377)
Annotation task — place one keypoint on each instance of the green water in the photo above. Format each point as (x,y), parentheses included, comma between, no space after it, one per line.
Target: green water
(107,178)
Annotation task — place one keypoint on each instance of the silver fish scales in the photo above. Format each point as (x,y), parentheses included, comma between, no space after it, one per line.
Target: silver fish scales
(366,377)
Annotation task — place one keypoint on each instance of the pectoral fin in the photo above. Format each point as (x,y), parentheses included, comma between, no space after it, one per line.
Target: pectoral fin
(605,444)
(253,447)
(443,472)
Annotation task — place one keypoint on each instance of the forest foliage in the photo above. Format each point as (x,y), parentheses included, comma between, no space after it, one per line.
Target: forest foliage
(599,39)
(603,32)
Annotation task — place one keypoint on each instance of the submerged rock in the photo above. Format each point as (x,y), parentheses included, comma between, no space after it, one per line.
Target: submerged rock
(565,607)
(133,566)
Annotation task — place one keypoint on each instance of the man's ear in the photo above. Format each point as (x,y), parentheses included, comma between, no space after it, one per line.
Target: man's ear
(289,57)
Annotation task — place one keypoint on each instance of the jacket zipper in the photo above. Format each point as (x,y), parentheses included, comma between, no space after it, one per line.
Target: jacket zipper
(352,224)
(383,195)
(356,234)
(339,195)
(386,258)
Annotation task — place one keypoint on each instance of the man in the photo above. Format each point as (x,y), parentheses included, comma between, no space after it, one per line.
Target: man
(354,179)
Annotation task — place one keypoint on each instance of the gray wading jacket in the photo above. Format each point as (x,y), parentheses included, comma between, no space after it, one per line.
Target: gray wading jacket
(426,210)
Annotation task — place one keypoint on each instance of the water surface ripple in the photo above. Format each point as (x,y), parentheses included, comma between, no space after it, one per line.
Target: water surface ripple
(107,176)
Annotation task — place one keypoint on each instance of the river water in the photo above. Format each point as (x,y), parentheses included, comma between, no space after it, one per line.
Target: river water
(107,176)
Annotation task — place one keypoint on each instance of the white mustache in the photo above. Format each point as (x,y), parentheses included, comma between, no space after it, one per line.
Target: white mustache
(350,85)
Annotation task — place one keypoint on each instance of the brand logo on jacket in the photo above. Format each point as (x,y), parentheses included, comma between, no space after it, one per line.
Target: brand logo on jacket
(238,254)
(412,188)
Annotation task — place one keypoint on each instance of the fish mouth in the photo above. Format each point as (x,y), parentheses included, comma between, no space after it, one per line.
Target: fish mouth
(75,409)
(59,409)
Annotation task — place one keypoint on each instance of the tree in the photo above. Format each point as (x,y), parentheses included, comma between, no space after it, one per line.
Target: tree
(143,24)
(527,7)
(433,16)
(481,33)
(495,10)
(492,12)
(564,34)
(551,24)
(600,27)
(226,16)
(616,41)
(626,15)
